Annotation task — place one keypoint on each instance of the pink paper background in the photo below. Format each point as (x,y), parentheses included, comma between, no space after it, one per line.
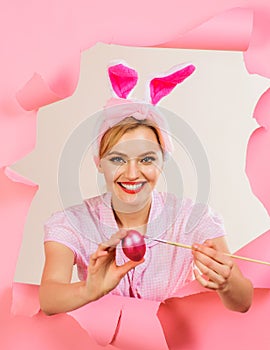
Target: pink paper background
(41,44)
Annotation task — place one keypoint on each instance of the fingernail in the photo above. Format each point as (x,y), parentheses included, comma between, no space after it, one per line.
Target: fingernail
(195,246)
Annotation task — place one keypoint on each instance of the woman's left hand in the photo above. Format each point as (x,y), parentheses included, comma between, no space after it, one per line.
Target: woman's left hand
(214,265)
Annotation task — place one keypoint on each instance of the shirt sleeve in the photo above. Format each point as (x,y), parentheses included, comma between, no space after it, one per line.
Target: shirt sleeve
(59,228)
(204,223)
(210,226)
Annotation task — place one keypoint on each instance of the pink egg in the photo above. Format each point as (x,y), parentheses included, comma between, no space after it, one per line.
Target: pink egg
(133,245)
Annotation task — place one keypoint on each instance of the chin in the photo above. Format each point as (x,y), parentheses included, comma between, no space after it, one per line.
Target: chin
(131,202)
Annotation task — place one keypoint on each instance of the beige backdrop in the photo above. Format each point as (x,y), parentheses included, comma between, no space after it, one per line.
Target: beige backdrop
(217,102)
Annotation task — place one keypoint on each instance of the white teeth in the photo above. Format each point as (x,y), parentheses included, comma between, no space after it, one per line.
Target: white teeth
(132,187)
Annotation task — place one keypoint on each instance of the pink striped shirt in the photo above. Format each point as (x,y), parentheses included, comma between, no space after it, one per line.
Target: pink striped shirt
(166,268)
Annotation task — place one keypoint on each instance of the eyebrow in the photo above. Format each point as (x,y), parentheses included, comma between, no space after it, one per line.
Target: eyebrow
(125,155)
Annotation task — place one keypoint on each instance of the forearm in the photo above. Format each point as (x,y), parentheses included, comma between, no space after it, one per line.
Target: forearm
(56,297)
(238,293)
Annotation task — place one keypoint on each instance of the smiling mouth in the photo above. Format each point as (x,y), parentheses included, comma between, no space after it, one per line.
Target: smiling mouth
(131,187)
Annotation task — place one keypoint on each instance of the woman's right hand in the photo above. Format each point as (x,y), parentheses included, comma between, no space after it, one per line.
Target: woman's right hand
(103,273)
(58,294)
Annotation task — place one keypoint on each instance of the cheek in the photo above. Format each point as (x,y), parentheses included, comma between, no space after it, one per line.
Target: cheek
(152,173)
(112,173)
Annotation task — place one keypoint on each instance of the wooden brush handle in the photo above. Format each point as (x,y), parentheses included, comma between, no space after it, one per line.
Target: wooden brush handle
(186,246)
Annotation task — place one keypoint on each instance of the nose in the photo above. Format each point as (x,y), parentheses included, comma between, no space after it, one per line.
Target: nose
(132,170)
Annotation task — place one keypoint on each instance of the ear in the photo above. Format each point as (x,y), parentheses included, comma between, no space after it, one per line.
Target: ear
(97,161)
(123,79)
(100,169)
(162,85)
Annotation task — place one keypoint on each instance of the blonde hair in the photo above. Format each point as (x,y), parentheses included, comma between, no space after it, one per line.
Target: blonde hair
(114,134)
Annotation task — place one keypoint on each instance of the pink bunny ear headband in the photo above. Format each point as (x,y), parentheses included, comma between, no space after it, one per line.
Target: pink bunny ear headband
(123,80)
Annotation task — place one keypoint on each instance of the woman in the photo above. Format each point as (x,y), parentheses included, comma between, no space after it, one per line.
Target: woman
(131,157)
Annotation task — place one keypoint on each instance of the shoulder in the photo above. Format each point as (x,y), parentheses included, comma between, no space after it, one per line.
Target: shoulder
(192,217)
(78,215)
(188,206)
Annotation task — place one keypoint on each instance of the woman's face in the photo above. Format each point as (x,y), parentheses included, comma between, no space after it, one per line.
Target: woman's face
(132,168)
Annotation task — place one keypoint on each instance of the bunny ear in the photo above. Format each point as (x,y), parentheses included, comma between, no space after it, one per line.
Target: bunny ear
(123,79)
(163,85)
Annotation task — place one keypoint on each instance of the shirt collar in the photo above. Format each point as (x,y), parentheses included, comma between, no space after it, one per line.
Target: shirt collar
(156,220)
(107,219)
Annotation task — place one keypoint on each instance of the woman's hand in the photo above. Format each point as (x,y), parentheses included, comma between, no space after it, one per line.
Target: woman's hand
(215,267)
(58,294)
(103,273)
(219,272)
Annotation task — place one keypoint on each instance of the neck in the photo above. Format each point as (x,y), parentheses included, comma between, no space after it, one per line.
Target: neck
(135,219)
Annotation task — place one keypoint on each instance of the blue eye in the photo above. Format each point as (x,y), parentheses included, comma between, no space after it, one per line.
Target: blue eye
(148,160)
(117,160)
